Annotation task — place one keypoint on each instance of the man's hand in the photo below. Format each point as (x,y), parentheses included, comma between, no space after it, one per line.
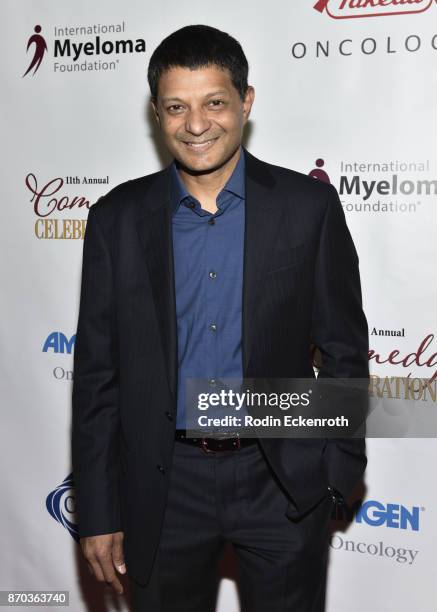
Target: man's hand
(104,553)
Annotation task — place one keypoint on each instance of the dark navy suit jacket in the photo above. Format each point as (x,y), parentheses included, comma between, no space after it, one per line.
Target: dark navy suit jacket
(301,285)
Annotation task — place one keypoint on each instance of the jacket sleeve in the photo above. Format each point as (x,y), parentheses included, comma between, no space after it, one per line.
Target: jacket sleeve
(95,413)
(340,331)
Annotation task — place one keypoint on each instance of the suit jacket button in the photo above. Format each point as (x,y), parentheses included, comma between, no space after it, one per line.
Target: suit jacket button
(161,468)
(169,415)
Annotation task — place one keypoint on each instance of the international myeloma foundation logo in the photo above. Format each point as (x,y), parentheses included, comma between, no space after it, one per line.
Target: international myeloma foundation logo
(80,48)
(349,9)
(38,51)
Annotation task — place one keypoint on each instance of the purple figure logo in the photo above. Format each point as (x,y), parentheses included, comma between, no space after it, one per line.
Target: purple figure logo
(318,173)
(40,49)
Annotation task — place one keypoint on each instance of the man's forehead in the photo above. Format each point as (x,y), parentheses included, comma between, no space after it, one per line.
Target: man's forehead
(206,81)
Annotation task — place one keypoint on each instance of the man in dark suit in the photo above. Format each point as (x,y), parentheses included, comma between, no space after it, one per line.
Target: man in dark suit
(220,265)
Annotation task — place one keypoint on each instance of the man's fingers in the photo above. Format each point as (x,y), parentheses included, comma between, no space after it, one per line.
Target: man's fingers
(118,555)
(96,569)
(102,553)
(109,574)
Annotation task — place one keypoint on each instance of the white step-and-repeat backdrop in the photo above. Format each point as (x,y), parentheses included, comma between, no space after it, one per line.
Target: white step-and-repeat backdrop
(345,90)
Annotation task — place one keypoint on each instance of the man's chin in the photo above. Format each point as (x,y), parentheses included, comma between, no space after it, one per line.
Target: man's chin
(202,164)
(198,166)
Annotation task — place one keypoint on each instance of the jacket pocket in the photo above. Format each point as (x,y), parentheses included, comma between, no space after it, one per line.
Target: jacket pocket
(283,259)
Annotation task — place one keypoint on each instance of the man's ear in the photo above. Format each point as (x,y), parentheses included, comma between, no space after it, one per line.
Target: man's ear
(155,111)
(248,101)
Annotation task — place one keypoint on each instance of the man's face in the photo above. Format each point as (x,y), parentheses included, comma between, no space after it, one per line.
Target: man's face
(201,116)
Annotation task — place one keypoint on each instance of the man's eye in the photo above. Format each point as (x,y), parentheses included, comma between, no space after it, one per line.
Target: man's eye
(217,102)
(174,107)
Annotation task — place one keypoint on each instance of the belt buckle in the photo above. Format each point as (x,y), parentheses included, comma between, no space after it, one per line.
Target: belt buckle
(209,450)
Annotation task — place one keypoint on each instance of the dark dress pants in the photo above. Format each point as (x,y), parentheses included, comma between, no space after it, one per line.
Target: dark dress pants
(233,496)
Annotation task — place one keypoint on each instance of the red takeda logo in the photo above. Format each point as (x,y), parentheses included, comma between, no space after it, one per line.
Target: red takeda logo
(39,49)
(350,9)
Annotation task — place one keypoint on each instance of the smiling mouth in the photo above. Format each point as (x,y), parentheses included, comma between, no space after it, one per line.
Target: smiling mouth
(200,146)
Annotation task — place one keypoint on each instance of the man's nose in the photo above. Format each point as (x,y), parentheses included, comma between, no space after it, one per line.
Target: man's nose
(197,122)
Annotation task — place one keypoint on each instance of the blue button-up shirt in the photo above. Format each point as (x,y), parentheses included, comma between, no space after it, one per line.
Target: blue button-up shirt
(208,263)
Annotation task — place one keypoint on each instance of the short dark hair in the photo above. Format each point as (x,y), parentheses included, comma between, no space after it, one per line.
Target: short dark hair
(197,46)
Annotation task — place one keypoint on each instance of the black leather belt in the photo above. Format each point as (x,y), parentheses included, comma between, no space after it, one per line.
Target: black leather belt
(215,445)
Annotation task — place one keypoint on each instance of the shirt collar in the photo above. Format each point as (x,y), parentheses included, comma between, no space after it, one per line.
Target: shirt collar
(235,183)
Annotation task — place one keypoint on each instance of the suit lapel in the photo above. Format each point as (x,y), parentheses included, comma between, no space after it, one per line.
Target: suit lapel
(154,229)
(262,222)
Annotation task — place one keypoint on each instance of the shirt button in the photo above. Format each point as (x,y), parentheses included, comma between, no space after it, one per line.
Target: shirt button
(212,382)
(161,468)
(191,204)
(213,327)
(212,274)
(169,415)
(211,221)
